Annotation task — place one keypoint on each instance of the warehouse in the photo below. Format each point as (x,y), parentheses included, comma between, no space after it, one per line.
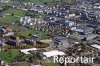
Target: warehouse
(26,51)
(53,53)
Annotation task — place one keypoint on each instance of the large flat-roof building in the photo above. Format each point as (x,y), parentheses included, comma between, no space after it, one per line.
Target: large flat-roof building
(61,41)
(26,51)
(53,53)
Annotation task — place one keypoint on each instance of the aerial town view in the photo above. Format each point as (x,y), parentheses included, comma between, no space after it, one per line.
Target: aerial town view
(49,32)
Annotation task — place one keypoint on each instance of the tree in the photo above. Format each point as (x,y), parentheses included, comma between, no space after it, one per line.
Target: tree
(12,14)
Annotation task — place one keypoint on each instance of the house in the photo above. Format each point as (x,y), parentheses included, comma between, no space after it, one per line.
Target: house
(37,8)
(49,12)
(8,34)
(48,18)
(25,21)
(11,37)
(1,62)
(94,15)
(65,6)
(60,13)
(11,43)
(71,15)
(83,6)
(2,30)
(1,9)
(2,43)
(1,15)
(84,15)
(50,23)
(30,42)
(46,41)
(82,30)
(12,40)
(98,31)
(97,5)
(35,37)
(66,23)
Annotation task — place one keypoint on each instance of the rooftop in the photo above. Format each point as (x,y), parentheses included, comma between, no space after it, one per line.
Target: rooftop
(26,51)
(53,53)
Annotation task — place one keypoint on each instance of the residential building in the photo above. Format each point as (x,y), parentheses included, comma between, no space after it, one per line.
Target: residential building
(25,21)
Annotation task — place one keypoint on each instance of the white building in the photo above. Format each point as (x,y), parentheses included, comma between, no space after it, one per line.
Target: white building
(26,21)
(96,46)
(26,51)
(70,23)
(8,34)
(97,6)
(53,53)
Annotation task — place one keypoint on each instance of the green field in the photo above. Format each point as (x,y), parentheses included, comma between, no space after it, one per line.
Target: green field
(51,64)
(28,31)
(5,4)
(14,11)
(20,64)
(8,56)
(34,32)
(11,15)
(7,19)
(26,64)
(45,64)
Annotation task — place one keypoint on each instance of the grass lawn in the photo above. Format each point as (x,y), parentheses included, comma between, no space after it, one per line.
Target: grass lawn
(14,11)
(34,32)
(28,31)
(50,64)
(8,19)
(9,55)
(5,4)
(20,64)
